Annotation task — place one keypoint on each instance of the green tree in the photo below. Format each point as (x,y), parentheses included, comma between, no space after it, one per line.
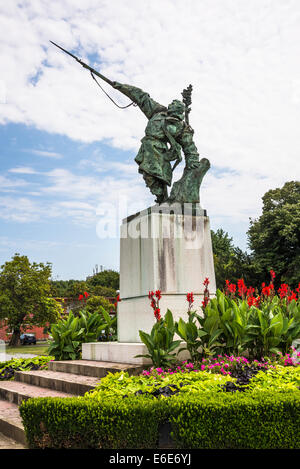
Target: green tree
(24,295)
(68,288)
(106,278)
(231,262)
(274,237)
(222,250)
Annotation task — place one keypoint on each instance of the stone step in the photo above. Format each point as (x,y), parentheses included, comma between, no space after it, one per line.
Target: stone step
(11,423)
(16,391)
(93,368)
(59,381)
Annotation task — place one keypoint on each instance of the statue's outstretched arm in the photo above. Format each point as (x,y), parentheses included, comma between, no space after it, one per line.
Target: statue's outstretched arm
(140,98)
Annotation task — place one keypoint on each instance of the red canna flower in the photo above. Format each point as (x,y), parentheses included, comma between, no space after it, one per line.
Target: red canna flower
(206,282)
(158,294)
(80,297)
(242,287)
(250,292)
(190,299)
(257,301)
(266,291)
(157,314)
(230,288)
(292,296)
(283,290)
(155,303)
(272,274)
(117,301)
(86,294)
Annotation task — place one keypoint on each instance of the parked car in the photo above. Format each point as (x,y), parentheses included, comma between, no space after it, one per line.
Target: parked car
(27,339)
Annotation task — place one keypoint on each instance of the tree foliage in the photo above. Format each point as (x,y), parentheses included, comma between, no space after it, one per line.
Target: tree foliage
(274,237)
(73,288)
(106,278)
(24,295)
(231,262)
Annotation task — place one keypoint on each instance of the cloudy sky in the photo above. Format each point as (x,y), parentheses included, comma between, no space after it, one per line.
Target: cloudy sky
(67,153)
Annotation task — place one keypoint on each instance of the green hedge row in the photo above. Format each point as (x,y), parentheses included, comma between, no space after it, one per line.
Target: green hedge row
(202,420)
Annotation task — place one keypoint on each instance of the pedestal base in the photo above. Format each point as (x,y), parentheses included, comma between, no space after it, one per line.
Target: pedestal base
(117,352)
(166,248)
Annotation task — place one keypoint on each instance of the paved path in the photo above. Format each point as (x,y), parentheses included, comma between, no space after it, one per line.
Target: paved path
(8,443)
(7,357)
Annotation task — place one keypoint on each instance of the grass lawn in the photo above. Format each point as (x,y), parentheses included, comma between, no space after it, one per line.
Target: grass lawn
(41,348)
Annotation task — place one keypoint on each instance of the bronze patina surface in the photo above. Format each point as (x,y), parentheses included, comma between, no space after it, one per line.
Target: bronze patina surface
(167,135)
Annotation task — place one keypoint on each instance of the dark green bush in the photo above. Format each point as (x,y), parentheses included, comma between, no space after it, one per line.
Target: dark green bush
(84,423)
(201,420)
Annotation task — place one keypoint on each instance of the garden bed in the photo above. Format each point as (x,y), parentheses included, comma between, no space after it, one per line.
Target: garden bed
(197,404)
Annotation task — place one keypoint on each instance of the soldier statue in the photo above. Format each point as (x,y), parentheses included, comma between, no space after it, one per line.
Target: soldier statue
(167,134)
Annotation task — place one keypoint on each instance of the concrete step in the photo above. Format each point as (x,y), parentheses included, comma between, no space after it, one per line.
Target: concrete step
(15,392)
(59,381)
(9,443)
(11,423)
(93,368)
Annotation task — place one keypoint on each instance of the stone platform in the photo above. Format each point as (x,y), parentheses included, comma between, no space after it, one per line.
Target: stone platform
(166,248)
(63,379)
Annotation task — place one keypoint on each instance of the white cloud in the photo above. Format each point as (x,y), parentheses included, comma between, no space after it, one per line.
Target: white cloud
(19,209)
(46,154)
(10,185)
(241,58)
(23,170)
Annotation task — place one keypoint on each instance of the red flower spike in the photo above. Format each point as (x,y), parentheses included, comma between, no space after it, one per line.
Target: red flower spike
(158,294)
(293,296)
(80,297)
(272,274)
(190,297)
(157,314)
(283,290)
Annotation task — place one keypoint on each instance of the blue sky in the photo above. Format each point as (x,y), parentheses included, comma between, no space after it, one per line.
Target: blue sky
(67,153)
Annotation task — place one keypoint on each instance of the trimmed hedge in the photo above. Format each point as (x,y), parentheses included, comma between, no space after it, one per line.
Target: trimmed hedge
(252,420)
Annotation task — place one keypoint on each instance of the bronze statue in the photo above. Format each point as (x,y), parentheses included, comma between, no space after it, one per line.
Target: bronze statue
(166,134)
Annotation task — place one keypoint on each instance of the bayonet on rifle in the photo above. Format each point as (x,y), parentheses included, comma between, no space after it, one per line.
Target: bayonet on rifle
(92,70)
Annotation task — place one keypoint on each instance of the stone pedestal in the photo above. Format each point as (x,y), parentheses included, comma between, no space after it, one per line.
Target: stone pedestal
(166,248)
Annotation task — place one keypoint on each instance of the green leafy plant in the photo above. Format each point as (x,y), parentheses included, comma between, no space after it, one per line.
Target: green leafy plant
(160,343)
(67,337)
(110,328)
(8,368)
(69,334)
(191,334)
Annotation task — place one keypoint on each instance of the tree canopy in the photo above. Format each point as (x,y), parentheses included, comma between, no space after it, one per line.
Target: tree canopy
(230,261)
(274,237)
(102,284)
(106,278)
(24,295)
